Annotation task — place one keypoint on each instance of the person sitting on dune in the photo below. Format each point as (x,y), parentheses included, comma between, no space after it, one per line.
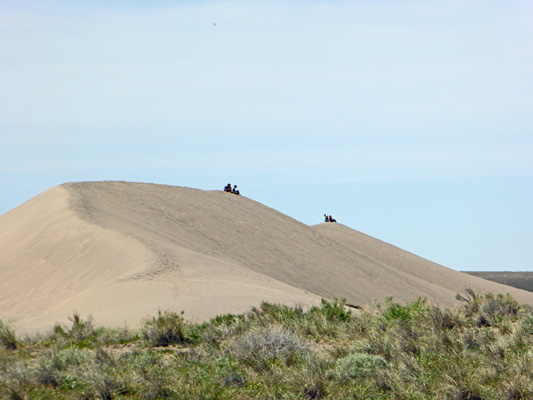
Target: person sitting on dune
(329,218)
(235,190)
(227,188)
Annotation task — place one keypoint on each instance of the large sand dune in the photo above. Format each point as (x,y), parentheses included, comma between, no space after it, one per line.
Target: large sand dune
(122,251)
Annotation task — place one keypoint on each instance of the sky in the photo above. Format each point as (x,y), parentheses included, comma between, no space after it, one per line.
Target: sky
(410,121)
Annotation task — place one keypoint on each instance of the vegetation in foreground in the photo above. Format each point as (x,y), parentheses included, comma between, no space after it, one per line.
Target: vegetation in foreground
(480,350)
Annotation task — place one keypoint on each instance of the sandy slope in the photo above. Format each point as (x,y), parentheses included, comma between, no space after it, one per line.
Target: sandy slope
(121,251)
(435,277)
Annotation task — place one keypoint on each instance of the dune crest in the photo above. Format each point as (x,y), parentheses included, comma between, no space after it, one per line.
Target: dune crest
(122,251)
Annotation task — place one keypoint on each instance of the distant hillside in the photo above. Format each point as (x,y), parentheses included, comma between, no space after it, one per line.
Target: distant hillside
(520,280)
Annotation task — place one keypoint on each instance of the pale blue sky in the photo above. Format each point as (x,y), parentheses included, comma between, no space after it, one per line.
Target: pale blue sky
(410,121)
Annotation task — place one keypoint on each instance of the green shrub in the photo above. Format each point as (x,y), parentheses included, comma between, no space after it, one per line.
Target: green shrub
(500,308)
(359,365)
(103,385)
(164,330)
(526,325)
(522,337)
(400,351)
(54,363)
(280,312)
(81,330)
(260,348)
(472,301)
(48,373)
(442,320)
(394,311)
(7,337)
(335,310)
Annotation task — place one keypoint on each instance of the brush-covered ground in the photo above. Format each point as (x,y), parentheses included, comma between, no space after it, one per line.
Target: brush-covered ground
(480,350)
(521,279)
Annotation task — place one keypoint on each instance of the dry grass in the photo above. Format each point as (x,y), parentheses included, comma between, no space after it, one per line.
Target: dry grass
(479,350)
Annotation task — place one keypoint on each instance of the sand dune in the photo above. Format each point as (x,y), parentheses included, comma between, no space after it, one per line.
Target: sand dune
(121,251)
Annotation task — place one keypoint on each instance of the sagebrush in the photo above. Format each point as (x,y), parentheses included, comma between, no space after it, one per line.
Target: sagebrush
(481,349)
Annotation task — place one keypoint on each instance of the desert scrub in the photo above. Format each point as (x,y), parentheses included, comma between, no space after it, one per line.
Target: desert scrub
(334,310)
(396,351)
(521,338)
(261,348)
(359,365)
(472,302)
(52,366)
(331,319)
(168,328)
(317,323)
(392,311)
(81,333)
(81,329)
(7,337)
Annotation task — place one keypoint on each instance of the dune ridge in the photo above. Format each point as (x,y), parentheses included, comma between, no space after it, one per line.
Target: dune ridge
(122,251)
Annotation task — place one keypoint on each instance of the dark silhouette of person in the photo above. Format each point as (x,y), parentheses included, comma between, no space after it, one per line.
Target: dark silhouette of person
(329,218)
